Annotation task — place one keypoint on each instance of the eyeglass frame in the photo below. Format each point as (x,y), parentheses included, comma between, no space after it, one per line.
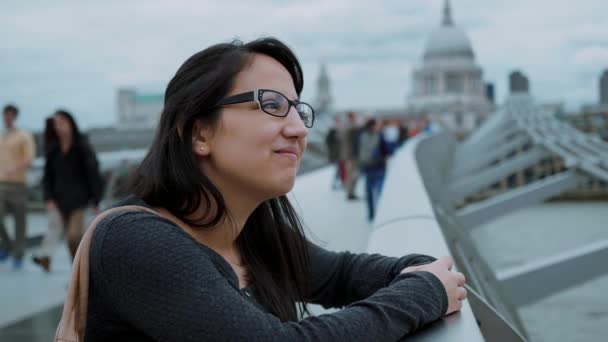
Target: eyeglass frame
(256,96)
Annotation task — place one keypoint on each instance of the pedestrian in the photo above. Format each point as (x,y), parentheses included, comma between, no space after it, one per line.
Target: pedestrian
(71,181)
(349,146)
(332,142)
(51,238)
(17,151)
(373,155)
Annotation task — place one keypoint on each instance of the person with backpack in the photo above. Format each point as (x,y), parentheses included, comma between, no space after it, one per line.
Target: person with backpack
(372,155)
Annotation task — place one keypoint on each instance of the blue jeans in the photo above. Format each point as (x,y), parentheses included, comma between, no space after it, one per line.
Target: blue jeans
(374,179)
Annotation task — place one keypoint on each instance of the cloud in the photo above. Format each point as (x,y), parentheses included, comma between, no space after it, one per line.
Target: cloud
(75,54)
(593,55)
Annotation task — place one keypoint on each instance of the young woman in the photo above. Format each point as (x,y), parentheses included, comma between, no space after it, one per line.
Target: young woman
(52,235)
(228,260)
(71,180)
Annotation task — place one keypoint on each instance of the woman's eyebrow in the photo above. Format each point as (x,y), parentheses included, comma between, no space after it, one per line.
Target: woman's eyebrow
(295,98)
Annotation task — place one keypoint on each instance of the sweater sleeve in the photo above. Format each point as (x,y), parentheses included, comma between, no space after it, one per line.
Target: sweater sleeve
(338,279)
(164,284)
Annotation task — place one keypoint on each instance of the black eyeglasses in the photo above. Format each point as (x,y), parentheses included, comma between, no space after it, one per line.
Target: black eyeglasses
(273,103)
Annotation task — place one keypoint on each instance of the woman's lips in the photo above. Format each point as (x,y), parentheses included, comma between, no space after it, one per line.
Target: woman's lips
(288,155)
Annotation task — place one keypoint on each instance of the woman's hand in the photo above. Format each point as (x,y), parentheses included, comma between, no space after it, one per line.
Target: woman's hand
(453,282)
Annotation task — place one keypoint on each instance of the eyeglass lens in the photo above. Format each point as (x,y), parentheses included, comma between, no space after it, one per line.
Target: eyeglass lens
(276,104)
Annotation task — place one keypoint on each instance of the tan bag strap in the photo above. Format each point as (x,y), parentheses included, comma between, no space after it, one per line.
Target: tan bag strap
(72,326)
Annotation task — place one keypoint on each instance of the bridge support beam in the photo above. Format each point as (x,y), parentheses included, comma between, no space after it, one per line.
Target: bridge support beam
(596,171)
(539,279)
(494,124)
(476,214)
(477,161)
(569,158)
(459,189)
(496,131)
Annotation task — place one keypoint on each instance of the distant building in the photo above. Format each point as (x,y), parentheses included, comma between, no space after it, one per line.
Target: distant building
(323,100)
(593,118)
(557,108)
(323,106)
(138,111)
(518,82)
(490,93)
(120,138)
(448,86)
(590,122)
(600,108)
(604,88)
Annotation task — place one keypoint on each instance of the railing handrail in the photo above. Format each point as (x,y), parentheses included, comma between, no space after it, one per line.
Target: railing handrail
(406,223)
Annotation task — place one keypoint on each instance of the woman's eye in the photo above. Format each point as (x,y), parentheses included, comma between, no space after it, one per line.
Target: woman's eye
(270,105)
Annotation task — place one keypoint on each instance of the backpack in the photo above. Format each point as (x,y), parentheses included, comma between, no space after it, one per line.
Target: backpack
(369,150)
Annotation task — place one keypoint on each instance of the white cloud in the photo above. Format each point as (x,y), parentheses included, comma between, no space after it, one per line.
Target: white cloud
(593,55)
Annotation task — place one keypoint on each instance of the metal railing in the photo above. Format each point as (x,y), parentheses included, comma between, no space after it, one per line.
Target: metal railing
(406,222)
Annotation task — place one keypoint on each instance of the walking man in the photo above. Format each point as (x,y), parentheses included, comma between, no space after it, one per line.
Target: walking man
(16,154)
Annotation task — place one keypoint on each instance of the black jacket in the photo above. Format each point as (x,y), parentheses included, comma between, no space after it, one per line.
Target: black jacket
(72,179)
(332,141)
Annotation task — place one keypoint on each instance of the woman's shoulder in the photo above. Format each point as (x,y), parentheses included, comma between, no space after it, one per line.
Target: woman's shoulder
(83,146)
(51,149)
(139,240)
(130,235)
(136,228)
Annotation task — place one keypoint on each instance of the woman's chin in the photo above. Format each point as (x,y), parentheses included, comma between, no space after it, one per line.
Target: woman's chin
(280,188)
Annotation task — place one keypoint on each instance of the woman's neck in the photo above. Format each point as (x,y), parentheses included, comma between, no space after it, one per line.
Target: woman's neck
(239,205)
(222,237)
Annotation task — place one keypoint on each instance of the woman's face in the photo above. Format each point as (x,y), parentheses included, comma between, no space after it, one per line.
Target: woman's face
(62,126)
(251,151)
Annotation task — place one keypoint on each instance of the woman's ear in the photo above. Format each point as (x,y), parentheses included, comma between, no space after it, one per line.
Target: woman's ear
(201,139)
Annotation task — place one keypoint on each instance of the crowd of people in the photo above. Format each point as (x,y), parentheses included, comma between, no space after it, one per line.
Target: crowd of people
(71,183)
(357,149)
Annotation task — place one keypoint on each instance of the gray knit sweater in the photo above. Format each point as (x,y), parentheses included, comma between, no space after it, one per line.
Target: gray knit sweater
(151,281)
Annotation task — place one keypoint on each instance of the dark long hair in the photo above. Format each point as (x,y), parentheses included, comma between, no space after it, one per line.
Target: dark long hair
(50,135)
(77,137)
(272,243)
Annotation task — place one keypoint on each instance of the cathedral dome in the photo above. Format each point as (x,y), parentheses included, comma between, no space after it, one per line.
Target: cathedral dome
(448,41)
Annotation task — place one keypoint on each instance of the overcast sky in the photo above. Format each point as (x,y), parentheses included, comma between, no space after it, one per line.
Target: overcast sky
(76,54)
